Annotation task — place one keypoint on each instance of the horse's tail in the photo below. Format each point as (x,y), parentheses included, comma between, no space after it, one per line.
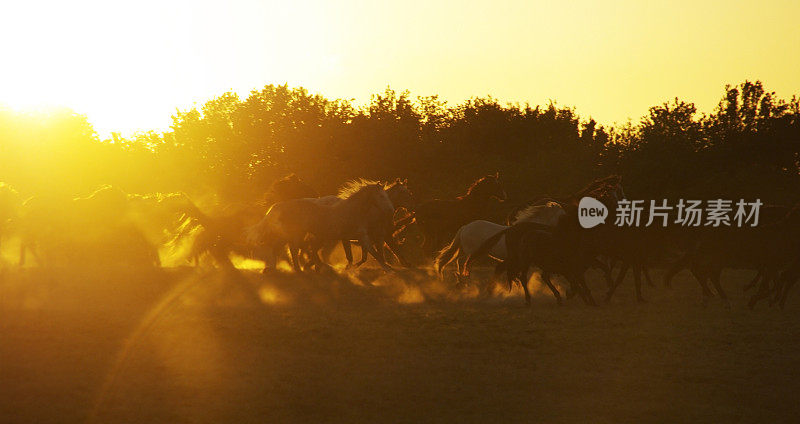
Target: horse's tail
(485,247)
(447,254)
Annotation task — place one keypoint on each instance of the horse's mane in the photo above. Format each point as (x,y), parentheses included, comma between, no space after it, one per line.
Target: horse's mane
(475,184)
(354,186)
(288,187)
(531,210)
(597,188)
(393,184)
(291,178)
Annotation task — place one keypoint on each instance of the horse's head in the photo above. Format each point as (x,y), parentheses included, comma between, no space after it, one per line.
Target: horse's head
(399,194)
(287,188)
(366,194)
(488,187)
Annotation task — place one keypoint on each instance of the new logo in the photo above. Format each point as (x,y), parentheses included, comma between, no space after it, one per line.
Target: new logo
(591,212)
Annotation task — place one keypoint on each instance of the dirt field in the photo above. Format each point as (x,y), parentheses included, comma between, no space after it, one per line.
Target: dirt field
(170,346)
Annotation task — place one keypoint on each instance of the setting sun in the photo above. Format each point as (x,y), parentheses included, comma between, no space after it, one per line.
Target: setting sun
(128,66)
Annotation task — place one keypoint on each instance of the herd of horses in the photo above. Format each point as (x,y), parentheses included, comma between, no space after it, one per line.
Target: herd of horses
(293,223)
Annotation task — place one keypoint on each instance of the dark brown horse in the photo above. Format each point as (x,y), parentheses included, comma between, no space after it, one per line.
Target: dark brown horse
(221,232)
(768,248)
(689,237)
(288,188)
(439,219)
(567,249)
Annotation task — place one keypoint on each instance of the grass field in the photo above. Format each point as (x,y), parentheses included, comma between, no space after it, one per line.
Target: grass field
(170,346)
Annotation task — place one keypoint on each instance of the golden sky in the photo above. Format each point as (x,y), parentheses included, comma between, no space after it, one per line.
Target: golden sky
(128,65)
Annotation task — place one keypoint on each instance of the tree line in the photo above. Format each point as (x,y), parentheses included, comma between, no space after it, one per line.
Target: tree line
(234,147)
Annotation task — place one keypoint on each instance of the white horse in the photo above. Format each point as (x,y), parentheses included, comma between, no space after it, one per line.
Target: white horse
(471,236)
(380,223)
(307,224)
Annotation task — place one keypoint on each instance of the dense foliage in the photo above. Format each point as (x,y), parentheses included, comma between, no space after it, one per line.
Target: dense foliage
(234,147)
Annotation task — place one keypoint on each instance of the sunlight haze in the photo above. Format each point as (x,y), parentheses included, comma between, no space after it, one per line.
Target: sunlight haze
(128,66)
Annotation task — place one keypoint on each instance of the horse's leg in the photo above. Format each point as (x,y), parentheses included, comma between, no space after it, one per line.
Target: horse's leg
(312,249)
(348,252)
(377,243)
(510,276)
(586,294)
(556,294)
(621,276)
(608,271)
(605,267)
(677,267)
(701,276)
(460,278)
(457,271)
(647,276)
(366,249)
(394,248)
(715,274)
(763,289)
(755,279)
(294,253)
(637,278)
(462,256)
(524,280)
(785,290)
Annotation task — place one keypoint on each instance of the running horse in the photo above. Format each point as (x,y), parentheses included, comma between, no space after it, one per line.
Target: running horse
(564,248)
(440,219)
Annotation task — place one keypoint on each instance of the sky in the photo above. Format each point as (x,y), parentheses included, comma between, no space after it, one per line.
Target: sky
(129,65)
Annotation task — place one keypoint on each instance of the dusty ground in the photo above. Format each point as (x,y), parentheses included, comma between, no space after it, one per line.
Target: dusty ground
(176,346)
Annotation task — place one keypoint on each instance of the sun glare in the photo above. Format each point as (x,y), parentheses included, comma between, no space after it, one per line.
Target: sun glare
(128,66)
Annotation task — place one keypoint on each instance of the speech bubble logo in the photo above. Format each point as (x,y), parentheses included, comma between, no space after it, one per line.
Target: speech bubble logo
(591,212)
